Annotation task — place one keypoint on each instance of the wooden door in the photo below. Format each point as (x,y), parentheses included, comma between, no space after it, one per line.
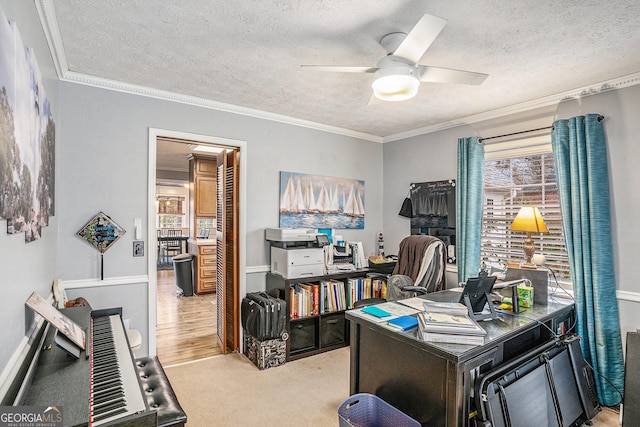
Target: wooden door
(227,251)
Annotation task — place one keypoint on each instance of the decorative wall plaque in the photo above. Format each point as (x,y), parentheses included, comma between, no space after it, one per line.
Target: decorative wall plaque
(101,232)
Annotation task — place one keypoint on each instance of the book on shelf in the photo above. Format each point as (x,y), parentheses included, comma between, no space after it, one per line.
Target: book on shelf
(335,298)
(359,288)
(445,307)
(471,327)
(439,337)
(404,323)
(305,300)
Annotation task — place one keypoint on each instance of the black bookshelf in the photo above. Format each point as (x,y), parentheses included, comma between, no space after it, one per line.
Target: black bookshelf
(317,333)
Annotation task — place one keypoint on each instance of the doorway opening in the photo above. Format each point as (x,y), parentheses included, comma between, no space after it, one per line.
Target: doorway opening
(186,327)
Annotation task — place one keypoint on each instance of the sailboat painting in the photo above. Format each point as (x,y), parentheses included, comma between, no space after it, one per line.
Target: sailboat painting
(315,201)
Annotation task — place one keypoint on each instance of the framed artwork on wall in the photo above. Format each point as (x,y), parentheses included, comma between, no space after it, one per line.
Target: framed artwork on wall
(315,201)
(27,139)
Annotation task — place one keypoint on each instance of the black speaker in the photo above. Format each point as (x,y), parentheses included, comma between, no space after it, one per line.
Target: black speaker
(631,407)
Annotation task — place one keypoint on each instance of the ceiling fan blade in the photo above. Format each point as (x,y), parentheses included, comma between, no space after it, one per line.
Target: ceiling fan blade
(341,69)
(448,75)
(420,38)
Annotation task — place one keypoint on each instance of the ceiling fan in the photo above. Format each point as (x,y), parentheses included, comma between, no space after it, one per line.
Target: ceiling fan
(398,74)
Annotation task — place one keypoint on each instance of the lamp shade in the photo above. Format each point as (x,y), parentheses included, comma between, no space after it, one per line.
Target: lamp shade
(529,220)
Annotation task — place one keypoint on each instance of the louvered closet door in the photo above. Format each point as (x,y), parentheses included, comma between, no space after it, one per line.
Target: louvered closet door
(227,251)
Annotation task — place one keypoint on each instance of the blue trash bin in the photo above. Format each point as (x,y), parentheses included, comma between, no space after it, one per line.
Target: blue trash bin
(368,410)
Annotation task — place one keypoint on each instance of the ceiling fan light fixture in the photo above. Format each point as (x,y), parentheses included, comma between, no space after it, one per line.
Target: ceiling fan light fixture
(396,83)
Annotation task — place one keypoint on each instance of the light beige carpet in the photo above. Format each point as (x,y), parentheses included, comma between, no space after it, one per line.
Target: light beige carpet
(230,391)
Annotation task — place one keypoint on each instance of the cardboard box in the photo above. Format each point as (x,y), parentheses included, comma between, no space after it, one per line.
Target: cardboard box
(525,296)
(539,278)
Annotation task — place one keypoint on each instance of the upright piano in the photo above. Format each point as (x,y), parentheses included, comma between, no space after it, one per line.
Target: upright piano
(100,388)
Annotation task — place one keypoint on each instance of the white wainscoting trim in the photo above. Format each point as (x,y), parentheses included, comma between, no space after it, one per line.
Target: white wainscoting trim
(258,269)
(628,296)
(109,281)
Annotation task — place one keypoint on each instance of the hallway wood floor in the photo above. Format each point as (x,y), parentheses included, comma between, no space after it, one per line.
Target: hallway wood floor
(186,329)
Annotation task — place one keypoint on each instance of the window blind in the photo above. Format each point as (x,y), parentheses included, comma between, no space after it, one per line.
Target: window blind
(514,177)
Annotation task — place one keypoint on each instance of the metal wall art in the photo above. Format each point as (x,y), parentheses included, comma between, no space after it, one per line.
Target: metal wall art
(101,232)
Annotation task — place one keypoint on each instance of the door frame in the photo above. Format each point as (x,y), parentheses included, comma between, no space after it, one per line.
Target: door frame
(152,290)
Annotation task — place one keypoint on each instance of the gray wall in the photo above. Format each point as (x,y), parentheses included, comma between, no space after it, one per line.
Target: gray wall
(433,157)
(101,152)
(25,268)
(104,156)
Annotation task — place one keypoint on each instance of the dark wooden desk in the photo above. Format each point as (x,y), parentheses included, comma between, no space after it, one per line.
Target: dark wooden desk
(433,383)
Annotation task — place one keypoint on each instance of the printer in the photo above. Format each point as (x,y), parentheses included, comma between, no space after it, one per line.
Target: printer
(293,253)
(291,236)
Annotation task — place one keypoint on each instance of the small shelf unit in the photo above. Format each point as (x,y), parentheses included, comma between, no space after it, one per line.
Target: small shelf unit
(317,333)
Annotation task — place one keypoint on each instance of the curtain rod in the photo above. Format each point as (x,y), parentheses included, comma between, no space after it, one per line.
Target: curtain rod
(480,140)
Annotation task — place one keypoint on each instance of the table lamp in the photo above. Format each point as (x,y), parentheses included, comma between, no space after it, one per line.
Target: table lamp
(529,220)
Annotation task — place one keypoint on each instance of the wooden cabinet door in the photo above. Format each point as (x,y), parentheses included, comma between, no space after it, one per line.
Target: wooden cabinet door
(206,269)
(205,196)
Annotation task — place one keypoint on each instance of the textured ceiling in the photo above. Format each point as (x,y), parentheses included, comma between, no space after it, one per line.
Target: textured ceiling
(248,53)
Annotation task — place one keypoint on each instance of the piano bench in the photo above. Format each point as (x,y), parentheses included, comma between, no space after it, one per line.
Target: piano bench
(159,394)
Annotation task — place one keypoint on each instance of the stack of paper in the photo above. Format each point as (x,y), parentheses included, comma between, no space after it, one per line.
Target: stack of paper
(450,328)
(445,307)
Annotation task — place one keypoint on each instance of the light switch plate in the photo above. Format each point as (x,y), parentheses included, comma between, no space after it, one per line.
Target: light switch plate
(138,248)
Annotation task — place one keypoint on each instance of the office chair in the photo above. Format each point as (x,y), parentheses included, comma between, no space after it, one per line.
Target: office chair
(420,269)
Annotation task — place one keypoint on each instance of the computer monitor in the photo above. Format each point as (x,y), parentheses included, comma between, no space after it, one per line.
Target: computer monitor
(475,296)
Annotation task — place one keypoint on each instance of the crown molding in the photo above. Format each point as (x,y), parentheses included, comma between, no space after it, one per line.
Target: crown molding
(593,89)
(46,12)
(118,86)
(49,23)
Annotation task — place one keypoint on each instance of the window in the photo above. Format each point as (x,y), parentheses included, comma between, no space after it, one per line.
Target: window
(170,221)
(171,211)
(517,176)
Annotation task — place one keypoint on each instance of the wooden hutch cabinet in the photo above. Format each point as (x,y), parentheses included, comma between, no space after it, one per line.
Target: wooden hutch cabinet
(203,176)
(203,188)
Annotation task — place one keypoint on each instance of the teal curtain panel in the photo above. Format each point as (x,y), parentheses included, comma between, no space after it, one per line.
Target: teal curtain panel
(470,185)
(580,155)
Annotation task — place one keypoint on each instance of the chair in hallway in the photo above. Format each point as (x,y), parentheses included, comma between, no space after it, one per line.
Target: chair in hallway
(159,234)
(172,245)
